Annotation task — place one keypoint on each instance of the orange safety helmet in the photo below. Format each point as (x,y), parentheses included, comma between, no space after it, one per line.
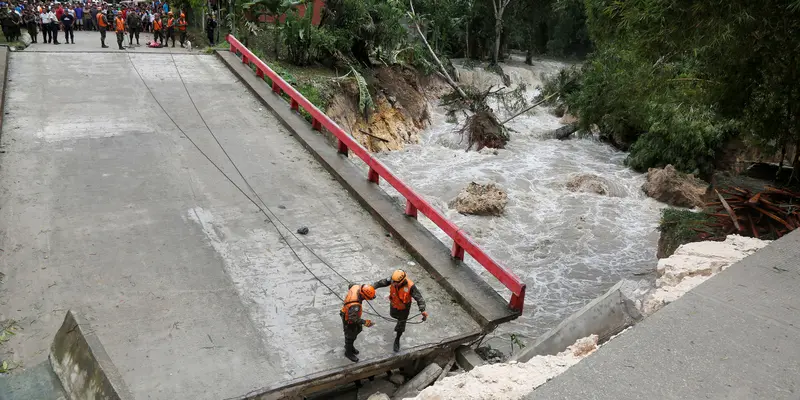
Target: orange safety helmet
(368,292)
(398,276)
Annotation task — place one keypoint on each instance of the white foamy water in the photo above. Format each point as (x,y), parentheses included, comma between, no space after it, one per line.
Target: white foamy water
(568,247)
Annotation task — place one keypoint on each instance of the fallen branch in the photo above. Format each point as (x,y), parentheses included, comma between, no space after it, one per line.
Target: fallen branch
(729,210)
(529,108)
(373,136)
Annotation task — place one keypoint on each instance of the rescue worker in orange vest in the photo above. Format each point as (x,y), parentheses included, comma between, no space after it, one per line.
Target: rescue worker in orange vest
(182,28)
(170,29)
(119,27)
(102,26)
(351,317)
(401,291)
(157,30)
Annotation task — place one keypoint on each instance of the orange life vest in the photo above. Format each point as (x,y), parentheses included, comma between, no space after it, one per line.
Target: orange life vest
(156,25)
(170,22)
(101,21)
(401,297)
(120,24)
(181,24)
(350,300)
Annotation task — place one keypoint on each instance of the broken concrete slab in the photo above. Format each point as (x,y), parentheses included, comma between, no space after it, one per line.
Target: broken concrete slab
(378,385)
(82,365)
(604,316)
(467,358)
(419,382)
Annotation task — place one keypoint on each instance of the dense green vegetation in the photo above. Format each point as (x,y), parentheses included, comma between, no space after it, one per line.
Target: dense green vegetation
(680,226)
(672,81)
(360,29)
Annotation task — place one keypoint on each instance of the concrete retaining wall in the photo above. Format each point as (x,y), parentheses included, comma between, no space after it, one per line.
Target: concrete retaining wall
(605,316)
(82,365)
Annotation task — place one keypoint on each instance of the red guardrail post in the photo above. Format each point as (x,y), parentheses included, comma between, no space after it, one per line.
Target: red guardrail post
(259,73)
(343,148)
(294,105)
(315,124)
(411,211)
(373,176)
(458,251)
(517,301)
(276,88)
(245,60)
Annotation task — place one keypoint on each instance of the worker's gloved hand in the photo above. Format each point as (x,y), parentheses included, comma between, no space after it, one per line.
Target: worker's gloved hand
(368,323)
(424,316)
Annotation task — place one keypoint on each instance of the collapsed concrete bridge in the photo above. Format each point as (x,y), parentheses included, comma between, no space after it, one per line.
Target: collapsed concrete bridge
(122,202)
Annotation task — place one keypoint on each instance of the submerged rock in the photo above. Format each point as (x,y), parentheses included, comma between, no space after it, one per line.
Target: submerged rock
(588,183)
(477,199)
(591,183)
(667,185)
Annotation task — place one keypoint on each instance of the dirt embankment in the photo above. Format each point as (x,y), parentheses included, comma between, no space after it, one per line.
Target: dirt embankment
(401,111)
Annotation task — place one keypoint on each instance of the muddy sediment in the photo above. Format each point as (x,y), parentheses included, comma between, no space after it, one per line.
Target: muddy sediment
(402,108)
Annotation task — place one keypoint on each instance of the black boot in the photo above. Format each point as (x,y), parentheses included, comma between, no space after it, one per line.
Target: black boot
(350,355)
(355,351)
(350,351)
(397,342)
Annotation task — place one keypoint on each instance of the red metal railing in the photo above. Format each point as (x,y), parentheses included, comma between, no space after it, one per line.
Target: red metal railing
(414,202)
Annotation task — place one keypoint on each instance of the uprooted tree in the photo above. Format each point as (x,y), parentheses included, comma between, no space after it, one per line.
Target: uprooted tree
(481,126)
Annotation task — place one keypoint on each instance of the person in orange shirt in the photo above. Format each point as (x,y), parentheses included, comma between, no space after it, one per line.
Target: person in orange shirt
(119,27)
(182,28)
(170,29)
(157,30)
(401,291)
(102,26)
(351,317)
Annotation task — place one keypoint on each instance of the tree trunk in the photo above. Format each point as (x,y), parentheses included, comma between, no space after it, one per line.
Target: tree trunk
(498,30)
(466,49)
(796,163)
(499,7)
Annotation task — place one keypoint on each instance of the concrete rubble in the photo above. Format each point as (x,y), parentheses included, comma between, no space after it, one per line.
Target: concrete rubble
(510,380)
(692,264)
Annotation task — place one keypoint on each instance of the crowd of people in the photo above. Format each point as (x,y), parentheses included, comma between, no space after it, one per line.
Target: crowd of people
(52,17)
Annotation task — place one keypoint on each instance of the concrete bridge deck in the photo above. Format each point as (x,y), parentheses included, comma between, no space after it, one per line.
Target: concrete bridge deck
(108,209)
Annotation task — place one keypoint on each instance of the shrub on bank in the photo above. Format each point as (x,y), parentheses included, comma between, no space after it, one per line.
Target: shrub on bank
(677,227)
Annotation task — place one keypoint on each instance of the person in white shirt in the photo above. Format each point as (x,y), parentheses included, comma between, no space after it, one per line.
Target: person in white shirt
(44,18)
(51,16)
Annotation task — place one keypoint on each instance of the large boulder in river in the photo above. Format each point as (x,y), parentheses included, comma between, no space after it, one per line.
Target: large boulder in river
(477,199)
(591,183)
(669,186)
(588,183)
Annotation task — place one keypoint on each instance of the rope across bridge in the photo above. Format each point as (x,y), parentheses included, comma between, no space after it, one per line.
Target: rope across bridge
(271,217)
